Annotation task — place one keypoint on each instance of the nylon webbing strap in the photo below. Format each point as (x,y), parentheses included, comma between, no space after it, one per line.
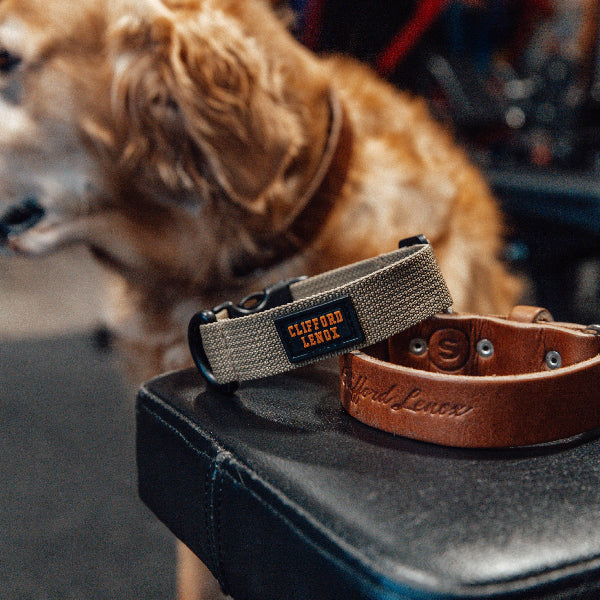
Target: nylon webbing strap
(329,314)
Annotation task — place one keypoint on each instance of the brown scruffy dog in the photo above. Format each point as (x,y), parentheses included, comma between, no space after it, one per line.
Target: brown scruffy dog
(201,152)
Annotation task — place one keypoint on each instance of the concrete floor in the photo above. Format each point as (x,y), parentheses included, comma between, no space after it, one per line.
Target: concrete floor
(72,524)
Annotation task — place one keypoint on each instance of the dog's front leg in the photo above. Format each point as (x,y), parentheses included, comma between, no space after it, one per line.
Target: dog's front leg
(194,580)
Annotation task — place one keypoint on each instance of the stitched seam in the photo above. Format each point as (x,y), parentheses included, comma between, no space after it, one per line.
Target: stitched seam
(219,552)
(214,506)
(188,422)
(207,516)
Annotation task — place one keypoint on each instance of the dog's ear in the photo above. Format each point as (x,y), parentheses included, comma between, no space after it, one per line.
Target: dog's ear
(194,79)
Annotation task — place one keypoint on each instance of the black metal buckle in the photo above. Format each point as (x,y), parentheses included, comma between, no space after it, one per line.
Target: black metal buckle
(272,296)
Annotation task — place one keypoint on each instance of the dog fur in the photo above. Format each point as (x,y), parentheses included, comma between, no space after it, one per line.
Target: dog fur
(174,137)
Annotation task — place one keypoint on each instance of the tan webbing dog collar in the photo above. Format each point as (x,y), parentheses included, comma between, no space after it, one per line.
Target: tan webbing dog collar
(303,320)
(480,382)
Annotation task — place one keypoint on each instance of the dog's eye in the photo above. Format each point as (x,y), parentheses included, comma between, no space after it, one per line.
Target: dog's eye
(8,61)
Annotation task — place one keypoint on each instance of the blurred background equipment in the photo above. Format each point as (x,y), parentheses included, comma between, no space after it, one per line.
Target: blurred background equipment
(518,83)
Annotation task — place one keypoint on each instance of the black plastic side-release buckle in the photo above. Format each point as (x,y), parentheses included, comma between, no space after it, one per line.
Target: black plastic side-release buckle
(277,294)
(271,297)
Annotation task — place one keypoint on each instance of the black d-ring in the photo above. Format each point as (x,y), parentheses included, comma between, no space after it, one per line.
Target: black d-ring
(199,355)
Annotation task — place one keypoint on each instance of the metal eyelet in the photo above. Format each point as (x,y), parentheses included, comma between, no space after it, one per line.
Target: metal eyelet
(418,346)
(553,359)
(485,348)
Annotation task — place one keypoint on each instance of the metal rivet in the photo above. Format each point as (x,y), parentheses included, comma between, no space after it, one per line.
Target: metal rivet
(417,346)
(485,348)
(553,359)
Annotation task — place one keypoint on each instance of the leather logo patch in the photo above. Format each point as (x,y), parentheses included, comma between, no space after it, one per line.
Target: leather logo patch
(322,329)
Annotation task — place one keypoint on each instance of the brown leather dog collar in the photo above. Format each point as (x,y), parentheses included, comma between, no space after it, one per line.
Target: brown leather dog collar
(479,382)
(312,208)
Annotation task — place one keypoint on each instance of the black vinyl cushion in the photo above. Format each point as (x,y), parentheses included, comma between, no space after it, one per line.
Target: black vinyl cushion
(285,496)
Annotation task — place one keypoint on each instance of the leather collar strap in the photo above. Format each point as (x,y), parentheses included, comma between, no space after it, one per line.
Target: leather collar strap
(312,207)
(479,382)
(325,315)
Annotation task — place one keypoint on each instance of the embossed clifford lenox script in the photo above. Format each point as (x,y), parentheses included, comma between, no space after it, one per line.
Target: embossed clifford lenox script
(395,398)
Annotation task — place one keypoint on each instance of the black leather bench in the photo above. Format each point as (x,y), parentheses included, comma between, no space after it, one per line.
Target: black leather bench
(284,496)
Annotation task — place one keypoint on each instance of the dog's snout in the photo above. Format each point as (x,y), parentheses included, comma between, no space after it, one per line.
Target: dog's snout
(8,61)
(21,217)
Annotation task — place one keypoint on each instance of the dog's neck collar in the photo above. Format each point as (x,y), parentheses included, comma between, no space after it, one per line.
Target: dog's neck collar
(311,210)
